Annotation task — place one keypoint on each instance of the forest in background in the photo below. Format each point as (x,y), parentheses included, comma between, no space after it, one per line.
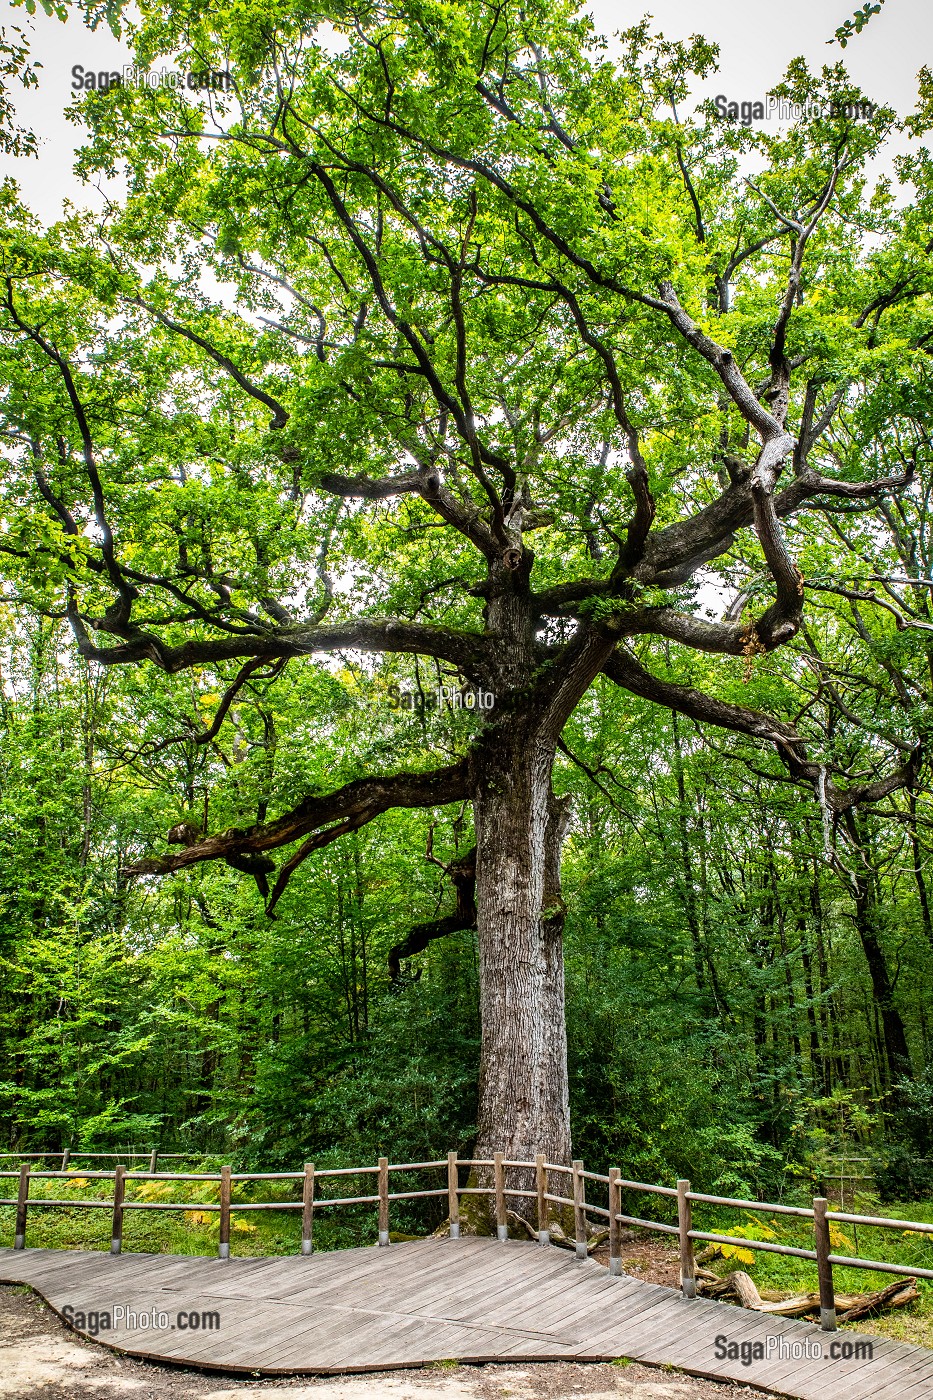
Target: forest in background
(734,1001)
(748,963)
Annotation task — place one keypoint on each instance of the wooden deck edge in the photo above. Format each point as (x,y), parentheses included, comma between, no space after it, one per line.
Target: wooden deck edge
(15,1270)
(479,1359)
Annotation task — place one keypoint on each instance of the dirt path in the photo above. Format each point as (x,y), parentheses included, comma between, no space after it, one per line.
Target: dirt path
(41,1359)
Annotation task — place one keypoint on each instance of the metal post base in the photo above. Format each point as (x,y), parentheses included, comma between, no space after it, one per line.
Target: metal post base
(19,1242)
(307,1247)
(828,1319)
(544,1237)
(114,1246)
(615,1267)
(455,1230)
(223,1251)
(502,1233)
(383,1238)
(582,1251)
(688,1287)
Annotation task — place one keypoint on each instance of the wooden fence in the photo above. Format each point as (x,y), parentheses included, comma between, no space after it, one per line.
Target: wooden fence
(574,1179)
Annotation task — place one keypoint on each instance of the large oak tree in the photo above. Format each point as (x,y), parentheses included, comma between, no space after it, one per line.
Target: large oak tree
(442,335)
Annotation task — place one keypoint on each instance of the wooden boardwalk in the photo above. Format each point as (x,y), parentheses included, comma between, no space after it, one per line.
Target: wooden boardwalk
(431,1300)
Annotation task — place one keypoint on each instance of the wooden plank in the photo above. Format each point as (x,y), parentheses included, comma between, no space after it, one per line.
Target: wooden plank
(581,1310)
(803,1376)
(889,1370)
(697,1350)
(496,1289)
(666,1318)
(407,1339)
(413,1299)
(635,1298)
(508,1306)
(372,1272)
(916,1384)
(659,1333)
(825,1376)
(342,1269)
(546,1308)
(603,1303)
(349,1334)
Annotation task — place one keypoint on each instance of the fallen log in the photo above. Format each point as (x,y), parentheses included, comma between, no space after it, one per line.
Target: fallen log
(737,1283)
(744,1289)
(849,1307)
(903,1290)
(797,1306)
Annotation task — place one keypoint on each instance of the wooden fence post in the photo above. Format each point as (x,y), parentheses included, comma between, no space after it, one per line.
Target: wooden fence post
(153,1161)
(307,1210)
(66,1155)
(615,1207)
(544,1234)
(119,1190)
(823,1267)
(688,1276)
(498,1170)
(453,1199)
(22,1199)
(579,1214)
(223,1239)
(383,1200)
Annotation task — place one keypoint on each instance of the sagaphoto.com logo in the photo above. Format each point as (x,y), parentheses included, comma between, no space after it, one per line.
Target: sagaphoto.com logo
(131,76)
(120,1317)
(777,1347)
(779,109)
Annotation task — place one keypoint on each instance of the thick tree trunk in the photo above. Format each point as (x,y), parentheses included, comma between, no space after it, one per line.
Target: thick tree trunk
(523,1092)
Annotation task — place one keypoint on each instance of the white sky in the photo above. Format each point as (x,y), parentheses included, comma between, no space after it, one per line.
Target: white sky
(756,40)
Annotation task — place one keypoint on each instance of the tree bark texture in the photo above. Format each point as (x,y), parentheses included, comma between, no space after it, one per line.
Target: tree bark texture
(523,1092)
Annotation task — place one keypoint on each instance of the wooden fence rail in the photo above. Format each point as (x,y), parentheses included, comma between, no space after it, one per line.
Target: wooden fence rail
(542,1173)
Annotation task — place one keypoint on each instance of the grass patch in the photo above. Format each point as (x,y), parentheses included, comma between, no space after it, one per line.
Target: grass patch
(780,1274)
(194,1229)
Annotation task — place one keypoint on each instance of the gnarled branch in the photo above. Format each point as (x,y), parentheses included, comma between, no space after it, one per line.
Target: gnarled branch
(328,816)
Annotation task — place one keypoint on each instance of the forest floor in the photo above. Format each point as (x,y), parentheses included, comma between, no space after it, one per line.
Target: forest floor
(649,1260)
(42,1359)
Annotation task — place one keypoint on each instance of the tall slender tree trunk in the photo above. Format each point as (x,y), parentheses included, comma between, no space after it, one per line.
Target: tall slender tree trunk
(893,1035)
(868,918)
(917,852)
(817,1058)
(689,885)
